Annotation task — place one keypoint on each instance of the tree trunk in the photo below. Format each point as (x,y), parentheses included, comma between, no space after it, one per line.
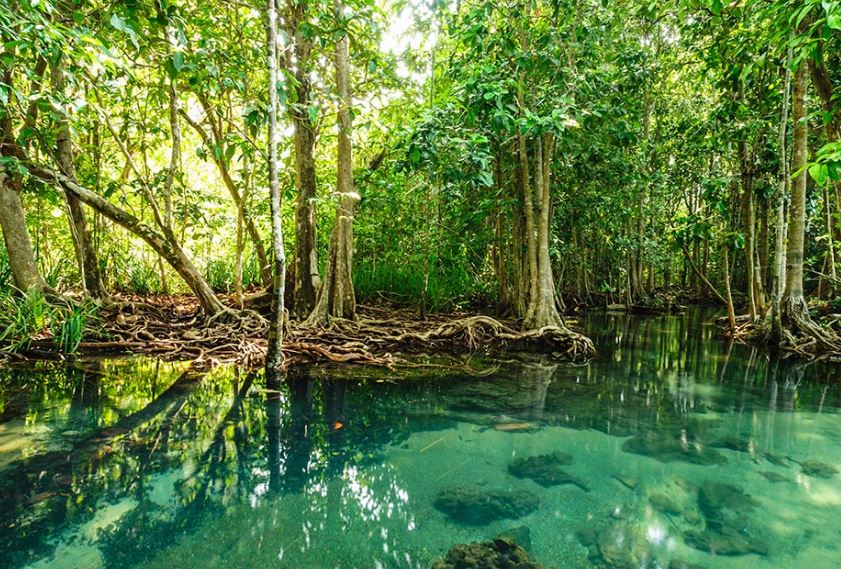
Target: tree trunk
(19,247)
(306,256)
(12,218)
(778,269)
(794,309)
(336,298)
(86,255)
(542,310)
(274,354)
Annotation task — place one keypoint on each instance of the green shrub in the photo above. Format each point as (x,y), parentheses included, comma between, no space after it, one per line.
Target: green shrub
(25,317)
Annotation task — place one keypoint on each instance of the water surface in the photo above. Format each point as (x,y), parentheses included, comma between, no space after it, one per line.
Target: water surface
(671,449)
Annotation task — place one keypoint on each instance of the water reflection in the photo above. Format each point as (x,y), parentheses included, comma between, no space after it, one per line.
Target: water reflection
(121,463)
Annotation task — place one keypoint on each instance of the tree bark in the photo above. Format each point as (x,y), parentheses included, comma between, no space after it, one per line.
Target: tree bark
(305,257)
(794,304)
(18,245)
(778,269)
(274,354)
(336,298)
(86,254)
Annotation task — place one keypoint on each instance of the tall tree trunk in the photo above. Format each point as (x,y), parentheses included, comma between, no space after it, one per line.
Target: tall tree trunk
(542,310)
(86,255)
(12,217)
(794,303)
(749,223)
(778,269)
(305,257)
(274,353)
(763,247)
(18,245)
(336,298)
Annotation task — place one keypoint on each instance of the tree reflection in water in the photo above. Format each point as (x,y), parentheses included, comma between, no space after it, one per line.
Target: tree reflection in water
(158,462)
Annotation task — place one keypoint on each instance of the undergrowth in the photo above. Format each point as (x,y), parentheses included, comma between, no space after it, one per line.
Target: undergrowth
(30,316)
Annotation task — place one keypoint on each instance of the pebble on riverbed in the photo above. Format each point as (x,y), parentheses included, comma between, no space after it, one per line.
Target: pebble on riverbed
(476,506)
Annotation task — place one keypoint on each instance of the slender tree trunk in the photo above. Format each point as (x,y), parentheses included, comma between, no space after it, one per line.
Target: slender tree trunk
(749,224)
(778,269)
(731,311)
(336,298)
(86,255)
(274,353)
(763,248)
(794,309)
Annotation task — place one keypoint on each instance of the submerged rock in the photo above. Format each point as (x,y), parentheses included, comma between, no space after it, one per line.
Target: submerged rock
(774,477)
(476,506)
(500,553)
(664,504)
(545,469)
(724,503)
(817,469)
(775,460)
(736,443)
(666,448)
(726,541)
(521,535)
(628,482)
(621,545)
(729,530)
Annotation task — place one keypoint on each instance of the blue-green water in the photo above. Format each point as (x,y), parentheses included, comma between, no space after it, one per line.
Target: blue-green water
(670,450)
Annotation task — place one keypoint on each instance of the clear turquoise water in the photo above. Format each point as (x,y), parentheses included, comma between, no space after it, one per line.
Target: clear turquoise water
(686,451)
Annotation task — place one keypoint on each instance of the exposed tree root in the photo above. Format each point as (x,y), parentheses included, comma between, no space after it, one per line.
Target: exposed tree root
(175,330)
(802,337)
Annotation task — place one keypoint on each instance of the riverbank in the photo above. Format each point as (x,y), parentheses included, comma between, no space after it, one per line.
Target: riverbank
(172,327)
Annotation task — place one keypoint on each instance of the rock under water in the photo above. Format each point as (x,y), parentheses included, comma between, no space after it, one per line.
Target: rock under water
(668,448)
(500,553)
(545,469)
(477,506)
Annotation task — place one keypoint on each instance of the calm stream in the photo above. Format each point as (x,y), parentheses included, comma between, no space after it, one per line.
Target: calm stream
(669,450)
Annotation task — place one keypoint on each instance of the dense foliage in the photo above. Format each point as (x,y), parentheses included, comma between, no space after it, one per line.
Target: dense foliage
(595,151)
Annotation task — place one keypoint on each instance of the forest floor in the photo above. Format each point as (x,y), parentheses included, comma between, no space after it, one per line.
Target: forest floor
(172,327)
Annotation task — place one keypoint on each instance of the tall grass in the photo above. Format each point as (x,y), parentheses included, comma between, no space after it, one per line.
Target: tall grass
(221,273)
(29,316)
(449,288)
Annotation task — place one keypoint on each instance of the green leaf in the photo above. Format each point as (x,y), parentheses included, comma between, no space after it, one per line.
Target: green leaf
(819,173)
(834,21)
(178,61)
(312,113)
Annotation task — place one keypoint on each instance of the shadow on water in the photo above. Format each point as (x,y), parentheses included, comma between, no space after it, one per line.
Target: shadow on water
(120,463)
